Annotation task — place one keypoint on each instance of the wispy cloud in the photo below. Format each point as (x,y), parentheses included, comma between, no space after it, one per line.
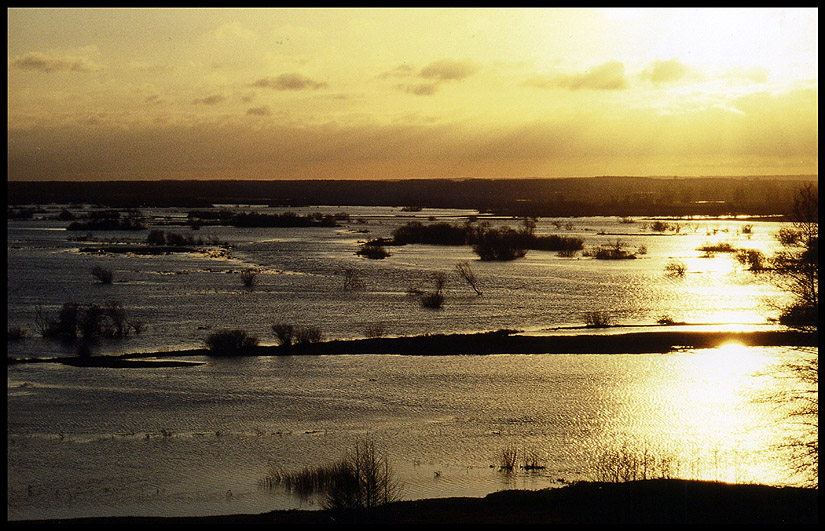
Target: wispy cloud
(45,62)
(665,71)
(289,82)
(435,73)
(421,89)
(609,76)
(449,69)
(209,100)
(263,110)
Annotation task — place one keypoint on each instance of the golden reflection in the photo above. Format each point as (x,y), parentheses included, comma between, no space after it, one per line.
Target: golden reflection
(710,425)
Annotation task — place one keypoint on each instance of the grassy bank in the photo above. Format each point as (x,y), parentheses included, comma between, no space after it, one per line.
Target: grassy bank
(662,501)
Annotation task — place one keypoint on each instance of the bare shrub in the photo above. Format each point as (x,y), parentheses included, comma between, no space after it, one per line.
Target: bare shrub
(248,277)
(615,251)
(104,276)
(230,342)
(284,333)
(86,322)
(307,334)
(435,299)
(374,330)
(753,259)
(16,333)
(288,334)
(675,268)
(466,272)
(373,251)
(352,279)
(363,478)
(617,465)
(598,319)
(532,459)
(667,320)
(508,458)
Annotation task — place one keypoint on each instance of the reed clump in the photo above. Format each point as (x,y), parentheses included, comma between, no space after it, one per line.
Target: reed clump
(362,479)
(617,465)
(230,342)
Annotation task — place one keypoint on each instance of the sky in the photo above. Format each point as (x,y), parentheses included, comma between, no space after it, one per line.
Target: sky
(397,93)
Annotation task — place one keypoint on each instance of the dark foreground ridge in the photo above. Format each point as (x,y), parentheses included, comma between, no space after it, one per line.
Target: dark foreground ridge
(661,501)
(478,343)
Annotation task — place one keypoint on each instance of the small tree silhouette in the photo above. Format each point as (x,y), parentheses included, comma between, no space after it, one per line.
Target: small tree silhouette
(467,274)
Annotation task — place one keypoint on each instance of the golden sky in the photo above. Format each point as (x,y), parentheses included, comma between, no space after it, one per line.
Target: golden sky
(410,93)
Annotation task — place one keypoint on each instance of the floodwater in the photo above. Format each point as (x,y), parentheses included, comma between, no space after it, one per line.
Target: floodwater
(201,440)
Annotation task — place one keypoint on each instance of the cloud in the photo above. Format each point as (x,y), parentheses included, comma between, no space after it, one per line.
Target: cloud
(609,76)
(437,72)
(448,69)
(288,82)
(44,62)
(264,110)
(665,71)
(209,100)
(423,89)
(403,70)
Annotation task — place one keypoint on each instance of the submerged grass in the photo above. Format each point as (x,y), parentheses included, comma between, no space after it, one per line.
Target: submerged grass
(363,478)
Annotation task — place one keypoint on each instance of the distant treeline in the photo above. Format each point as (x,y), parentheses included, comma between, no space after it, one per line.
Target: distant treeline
(252,219)
(585,196)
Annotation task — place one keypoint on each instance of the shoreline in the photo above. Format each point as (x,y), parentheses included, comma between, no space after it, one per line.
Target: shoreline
(671,501)
(477,343)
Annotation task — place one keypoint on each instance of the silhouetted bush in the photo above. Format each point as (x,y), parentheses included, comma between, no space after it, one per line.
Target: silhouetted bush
(156,237)
(230,342)
(307,334)
(614,252)
(288,334)
(284,333)
(499,245)
(753,259)
(86,322)
(435,299)
(631,464)
(374,330)
(352,279)
(362,479)
(373,251)
(721,247)
(675,268)
(16,333)
(597,319)
(466,272)
(432,301)
(488,242)
(435,234)
(248,277)
(104,276)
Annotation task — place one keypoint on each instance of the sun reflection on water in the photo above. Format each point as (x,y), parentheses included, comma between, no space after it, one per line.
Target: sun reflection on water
(709,426)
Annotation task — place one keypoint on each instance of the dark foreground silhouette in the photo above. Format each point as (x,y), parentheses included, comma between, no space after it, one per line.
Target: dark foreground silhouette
(663,501)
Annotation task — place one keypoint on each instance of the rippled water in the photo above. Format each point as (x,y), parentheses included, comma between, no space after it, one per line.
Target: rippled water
(200,440)
(181,298)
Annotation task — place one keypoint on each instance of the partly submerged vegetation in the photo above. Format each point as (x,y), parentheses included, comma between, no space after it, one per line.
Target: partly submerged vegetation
(362,479)
(488,242)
